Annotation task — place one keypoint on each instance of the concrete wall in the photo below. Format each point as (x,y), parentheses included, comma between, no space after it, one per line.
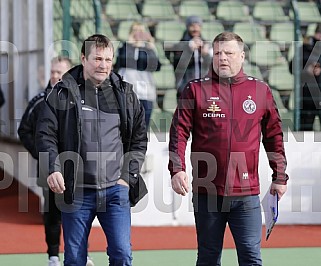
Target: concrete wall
(300,205)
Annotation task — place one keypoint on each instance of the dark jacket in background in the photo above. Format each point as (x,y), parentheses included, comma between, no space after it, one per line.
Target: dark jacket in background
(139,58)
(310,100)
(28,124)
(2,100)
(184,62)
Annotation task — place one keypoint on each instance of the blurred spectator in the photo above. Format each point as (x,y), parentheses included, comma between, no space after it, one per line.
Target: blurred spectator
(310,80)
(136,60)
(192,55)
(41,78)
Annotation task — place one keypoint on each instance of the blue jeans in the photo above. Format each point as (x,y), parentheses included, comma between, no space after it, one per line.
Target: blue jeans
(243,214)
(112,208)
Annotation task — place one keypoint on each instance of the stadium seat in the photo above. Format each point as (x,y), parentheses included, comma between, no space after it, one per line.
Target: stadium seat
(281,79)
(169,30)
(161,53)
(57,10)
(250,32)
(57,29)
(160,120)
(269,12)
(82,9)
(122,10)
(165,78)
(252,70)
(266,54)
(278,101)
(211,29)
(311,29)
(195,8)
(285,113)
(88,28)
(230,11)
(73,46)
(123,29)
(158,10)
(282,33)
(170,100)
(308,12)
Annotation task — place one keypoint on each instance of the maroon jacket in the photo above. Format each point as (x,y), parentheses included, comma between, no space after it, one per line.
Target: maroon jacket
(227,119)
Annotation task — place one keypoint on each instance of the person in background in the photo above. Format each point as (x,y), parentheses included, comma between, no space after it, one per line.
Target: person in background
(310,71)
(227,113)
(191,57)
(26,132)
(41,78)
(2,99)
(136,60)
(93,137)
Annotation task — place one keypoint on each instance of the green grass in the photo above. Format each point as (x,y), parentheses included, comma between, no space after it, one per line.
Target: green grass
(272,256)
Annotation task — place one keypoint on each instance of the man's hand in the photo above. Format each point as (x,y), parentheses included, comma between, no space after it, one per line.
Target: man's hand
(279,189)
(56,182)
(180,183)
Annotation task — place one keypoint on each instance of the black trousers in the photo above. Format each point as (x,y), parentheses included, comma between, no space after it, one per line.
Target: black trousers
(52,222)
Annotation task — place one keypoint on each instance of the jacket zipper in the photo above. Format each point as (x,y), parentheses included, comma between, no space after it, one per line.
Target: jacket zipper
(227,185)
(98,140)
(79,141)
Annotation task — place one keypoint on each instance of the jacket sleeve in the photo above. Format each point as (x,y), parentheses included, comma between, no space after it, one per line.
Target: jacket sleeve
(47,137)
(273,141)
(27,127)
(182,56)
(181,127)
(138,142)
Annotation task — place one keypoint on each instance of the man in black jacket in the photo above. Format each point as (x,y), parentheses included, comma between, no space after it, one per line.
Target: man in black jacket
(192,55)
(92,137)
(310,70)
(26,132)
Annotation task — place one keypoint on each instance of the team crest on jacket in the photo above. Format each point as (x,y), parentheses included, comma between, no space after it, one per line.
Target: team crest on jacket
(249,105)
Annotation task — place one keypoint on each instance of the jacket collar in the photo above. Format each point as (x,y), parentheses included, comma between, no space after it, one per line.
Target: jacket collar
(74,76)
(239,78)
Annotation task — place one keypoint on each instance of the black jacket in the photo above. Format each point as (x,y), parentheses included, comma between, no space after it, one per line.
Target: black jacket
(2,100)
(145,60)
(184,62)
(59,132)
(27,127)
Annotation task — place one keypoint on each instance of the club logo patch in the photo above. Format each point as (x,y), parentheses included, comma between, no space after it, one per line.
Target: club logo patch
(214,110)
(249,105)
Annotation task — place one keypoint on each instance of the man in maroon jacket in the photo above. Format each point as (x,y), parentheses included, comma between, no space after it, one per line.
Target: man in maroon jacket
(227,113)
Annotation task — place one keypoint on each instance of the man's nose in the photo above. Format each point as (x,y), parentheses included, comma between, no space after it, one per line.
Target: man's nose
(223,56)
(103,64)
(55,76)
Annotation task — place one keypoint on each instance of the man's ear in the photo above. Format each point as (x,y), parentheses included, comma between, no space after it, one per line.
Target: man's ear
(83,59)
